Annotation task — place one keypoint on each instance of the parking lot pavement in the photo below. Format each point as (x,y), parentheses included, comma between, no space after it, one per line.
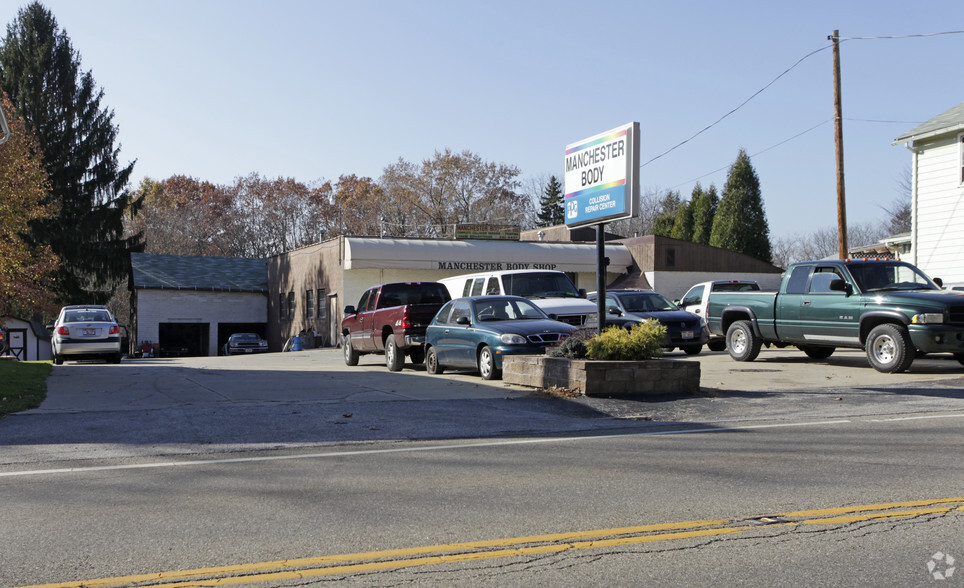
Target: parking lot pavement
(185,406)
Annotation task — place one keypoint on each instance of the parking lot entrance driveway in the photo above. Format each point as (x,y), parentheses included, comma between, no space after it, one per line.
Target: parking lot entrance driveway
(174,406)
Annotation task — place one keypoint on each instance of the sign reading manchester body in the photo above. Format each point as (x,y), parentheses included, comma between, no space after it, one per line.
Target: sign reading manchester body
(602,177)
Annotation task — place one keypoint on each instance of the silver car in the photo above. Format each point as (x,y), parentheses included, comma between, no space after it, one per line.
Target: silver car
(84,332)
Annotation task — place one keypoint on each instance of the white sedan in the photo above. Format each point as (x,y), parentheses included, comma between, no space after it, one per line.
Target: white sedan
(84,332)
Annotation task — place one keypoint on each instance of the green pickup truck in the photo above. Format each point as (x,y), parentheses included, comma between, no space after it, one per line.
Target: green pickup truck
(889,308)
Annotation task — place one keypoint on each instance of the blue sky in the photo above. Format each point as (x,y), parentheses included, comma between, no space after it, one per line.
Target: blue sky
(217,89)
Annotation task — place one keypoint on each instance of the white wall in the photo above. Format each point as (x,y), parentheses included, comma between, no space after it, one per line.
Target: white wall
(939,250)
(674,284)
(191,306)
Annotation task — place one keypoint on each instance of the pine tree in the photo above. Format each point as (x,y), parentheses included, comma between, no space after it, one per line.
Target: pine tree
(683,222)
(551,204)
(60,105)
(740,223)
(704,205)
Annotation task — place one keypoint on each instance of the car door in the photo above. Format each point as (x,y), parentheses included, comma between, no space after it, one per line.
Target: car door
(694,301)
(361,337)
(828,317)
(458,339)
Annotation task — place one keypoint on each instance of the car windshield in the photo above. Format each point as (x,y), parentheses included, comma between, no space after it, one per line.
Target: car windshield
(246,337)
(539,285)
(878,276)
(646,302)
(503,309)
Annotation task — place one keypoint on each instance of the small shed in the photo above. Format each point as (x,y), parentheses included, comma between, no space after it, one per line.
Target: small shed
(27,340)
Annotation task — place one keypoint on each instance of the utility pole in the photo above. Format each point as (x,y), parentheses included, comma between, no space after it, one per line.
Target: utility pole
(838,144)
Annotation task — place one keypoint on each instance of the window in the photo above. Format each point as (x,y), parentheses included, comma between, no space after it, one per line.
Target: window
(670,257)
(693,297)
(309,304)
(461,309)
(291,306)
(281,307)
(820,282)
(797,284)
(477,286)
(493,286)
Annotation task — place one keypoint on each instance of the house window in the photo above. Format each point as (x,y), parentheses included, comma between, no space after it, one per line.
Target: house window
(291,306)
(281,307)
(670,257)
(309,304)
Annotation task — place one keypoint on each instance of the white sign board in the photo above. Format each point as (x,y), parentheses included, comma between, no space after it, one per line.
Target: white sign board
(602,177)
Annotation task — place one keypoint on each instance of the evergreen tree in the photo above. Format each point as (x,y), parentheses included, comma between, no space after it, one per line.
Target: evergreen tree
(704,209)
(551,204)
(61,106)
(740,223)
(683,222)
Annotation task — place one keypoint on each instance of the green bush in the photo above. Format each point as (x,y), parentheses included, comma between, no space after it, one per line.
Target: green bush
(572,348)
(643,341)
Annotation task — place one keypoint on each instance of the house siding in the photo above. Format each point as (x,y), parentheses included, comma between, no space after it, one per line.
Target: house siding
(939,218)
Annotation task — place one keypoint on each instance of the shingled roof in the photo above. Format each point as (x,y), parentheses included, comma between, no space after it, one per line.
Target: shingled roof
(180,272)
(947,122)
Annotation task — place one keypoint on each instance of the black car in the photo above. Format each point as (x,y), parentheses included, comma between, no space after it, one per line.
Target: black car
(683,329)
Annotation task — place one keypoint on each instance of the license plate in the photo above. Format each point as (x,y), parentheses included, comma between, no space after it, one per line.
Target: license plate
(687,334)
(248,350)
(90,332)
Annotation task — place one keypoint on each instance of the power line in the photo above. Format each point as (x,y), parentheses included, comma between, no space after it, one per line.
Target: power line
(742,104)
(900,36)
(787,140)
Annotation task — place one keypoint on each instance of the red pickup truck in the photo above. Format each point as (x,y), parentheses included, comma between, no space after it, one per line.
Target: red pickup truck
(391,319)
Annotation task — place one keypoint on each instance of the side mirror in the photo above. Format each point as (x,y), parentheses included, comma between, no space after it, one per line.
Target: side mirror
(553,316)
(838,285)
(463,320)
(614,310)
(582,292)
(939,282)
(349,309)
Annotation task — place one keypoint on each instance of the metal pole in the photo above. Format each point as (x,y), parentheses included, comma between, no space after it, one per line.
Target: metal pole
(601,275)
(838,143)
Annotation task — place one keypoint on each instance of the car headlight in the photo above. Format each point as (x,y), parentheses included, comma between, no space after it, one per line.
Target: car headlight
(513,339)
(928,318)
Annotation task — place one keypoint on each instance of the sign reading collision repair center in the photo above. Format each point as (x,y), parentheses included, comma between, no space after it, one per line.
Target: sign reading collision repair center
(602,177)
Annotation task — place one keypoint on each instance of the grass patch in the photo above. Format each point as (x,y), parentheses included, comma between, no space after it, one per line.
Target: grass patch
(23,385)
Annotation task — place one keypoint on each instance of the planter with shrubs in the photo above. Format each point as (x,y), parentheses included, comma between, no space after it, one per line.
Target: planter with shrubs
(616,362)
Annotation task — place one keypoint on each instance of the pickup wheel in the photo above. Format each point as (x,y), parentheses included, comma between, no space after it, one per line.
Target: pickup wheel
(394,358)
(816,351)
(889,349)
(742,342)
(351,356)
(487,364)
(432,365)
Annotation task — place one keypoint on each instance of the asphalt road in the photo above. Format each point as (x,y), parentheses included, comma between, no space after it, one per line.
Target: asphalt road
(783,472)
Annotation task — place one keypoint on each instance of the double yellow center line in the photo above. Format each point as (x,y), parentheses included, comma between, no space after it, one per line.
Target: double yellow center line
(345,564)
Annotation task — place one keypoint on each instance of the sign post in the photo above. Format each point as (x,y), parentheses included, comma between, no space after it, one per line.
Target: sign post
(602,185)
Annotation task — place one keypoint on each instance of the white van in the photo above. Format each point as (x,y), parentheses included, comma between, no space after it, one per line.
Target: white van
(552,291)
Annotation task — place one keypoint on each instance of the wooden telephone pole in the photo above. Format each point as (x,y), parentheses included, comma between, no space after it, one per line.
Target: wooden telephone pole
(838,144)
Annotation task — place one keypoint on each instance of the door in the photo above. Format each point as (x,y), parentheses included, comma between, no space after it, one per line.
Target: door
(18,343)
(828,317)
(458,341)
(361,331)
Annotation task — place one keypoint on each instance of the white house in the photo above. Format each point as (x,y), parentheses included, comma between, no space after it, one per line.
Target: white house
(937,213)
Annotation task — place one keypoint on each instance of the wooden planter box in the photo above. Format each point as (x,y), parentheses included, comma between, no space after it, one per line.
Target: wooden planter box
(603,378)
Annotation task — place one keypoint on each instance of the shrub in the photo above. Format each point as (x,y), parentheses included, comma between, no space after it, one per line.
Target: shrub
(643,341)
(572,348)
